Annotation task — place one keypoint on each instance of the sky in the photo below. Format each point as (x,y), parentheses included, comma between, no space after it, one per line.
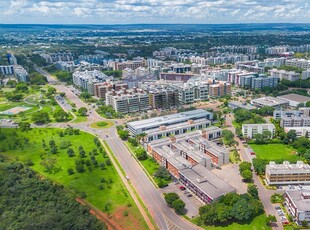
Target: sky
(153,11)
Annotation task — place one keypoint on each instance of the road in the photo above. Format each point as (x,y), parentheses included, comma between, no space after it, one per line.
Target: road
(164,217)
(264,194)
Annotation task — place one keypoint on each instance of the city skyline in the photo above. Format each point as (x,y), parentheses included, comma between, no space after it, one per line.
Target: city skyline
(154,11)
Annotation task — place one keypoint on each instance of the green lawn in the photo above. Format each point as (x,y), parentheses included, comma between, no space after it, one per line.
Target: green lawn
(102,124)
(111,198)
(275,152)
(257,224)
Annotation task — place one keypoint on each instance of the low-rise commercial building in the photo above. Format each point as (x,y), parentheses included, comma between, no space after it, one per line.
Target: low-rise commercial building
(286,173)
(238,104)
(249,130)
(270,101)
(128,101)
(137,127)
(176,129)
(295,99)
(298,204)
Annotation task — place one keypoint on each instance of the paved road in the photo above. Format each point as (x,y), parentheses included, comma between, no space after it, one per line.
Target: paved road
(264,194)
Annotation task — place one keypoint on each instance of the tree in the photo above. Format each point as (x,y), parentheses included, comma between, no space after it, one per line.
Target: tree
(70,171)
(241,210)
(49,164)
(123,134)
(292,135)
(21,87)
(133,142)
(40,117)
(70,152)
(162,173)
(141,154)
(51,91)
(82,111)
(37,79)
(170,198)
(247,175)
(270,219)
(11,83)
(60,115)
(85,95)
(244,166)
(228,137)
(252,190)
(259,165)
(24,126)
(307,155)
(15,97)
(178,206)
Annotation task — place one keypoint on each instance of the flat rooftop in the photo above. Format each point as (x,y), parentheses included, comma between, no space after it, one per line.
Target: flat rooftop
(298,198)
(287,168)
(295,97)
(270,101)
(207,181)
(242,105)
(169,119)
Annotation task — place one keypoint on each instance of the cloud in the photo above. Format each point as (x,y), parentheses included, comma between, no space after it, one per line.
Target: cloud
(157,11)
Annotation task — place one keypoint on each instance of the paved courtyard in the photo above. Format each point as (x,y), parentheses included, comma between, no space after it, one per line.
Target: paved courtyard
(230,174)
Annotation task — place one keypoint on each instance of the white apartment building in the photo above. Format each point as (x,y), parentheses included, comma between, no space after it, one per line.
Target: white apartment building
(300,131)
(249,130)
(128,101)
(282,74)
(301,63)
(21,74)
(295,121)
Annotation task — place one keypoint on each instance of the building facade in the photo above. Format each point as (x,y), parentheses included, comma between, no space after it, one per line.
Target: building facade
(249,130)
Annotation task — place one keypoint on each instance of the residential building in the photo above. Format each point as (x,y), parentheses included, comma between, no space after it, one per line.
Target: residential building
(300,63)
(12,59)
(21,74)
(66,66)
(184,77)
(300,131)
(7,69)
(137,127)
(134,64)
(163,98)
(87,79)
(249,130)
(128,101)
(305,74)
(282,74)
(286,173)
(55,57)
(220,89)
(295,99)
(279,114)
(295,121)
(270,101)
(100,89)
(262,82)
(298,204)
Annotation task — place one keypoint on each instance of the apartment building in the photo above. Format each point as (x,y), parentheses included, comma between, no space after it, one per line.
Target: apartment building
(163,98)
(261,82)
(249,130)
(128,101)
(295,121)
(55,57)
(137,127)
(100,89)
(192,92)
(134,64)
(7,69)
(279,114)
(21,74)
(300,131)
(220,89)
(286,173)
(300,63)
(298,204)
(282,74)
(305,74)
(87,79)
(171,76)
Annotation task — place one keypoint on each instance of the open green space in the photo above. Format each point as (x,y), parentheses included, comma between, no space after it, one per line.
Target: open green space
(101,186)
(102,124)
(258,223)
(275,152)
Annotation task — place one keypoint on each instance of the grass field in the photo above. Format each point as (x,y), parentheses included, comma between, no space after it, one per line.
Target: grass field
(257,224)
(275,152)
(102,124)
(112,197)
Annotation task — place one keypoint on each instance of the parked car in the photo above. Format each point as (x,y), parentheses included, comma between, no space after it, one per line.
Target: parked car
(185,192)
(277,208)
(182,187)
(189,195)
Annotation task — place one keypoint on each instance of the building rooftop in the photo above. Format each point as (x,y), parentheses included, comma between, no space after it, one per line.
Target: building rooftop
(287,168)
(295,97)
(207,181)
(270,101)
(301,199)
(254,125)
(169,119)
(242,105)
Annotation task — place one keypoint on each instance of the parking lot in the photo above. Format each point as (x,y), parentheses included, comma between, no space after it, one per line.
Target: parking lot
(63,103)
(192,204)
(230,174)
